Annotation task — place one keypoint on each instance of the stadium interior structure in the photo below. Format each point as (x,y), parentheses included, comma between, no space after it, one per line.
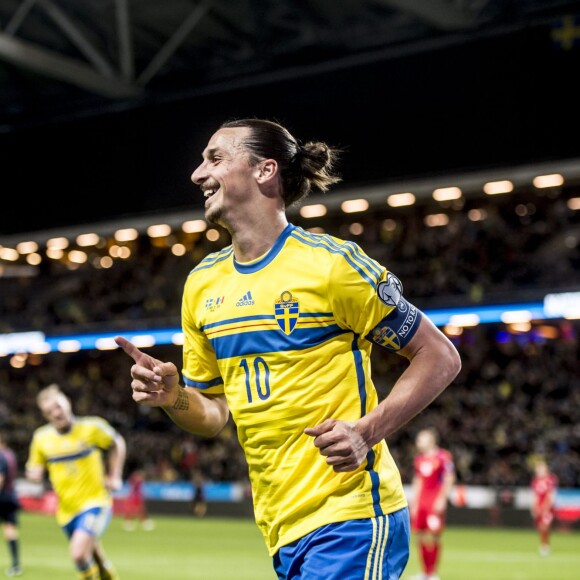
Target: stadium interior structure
(489,248)
(498,271)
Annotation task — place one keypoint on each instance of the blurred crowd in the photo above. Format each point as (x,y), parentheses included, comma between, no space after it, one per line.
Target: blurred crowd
(527,243)
(517,395)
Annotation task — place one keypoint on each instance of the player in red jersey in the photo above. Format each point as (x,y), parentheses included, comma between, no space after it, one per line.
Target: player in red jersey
(434,476)
(544,486)
(135,506)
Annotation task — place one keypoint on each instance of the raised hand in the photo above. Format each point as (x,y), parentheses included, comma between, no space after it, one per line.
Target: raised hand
(155,383)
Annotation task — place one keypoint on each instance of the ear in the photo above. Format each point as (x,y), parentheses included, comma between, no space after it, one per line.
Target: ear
(266,170)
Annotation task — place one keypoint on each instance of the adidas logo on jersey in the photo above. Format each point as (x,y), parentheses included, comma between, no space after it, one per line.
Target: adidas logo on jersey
(245,300)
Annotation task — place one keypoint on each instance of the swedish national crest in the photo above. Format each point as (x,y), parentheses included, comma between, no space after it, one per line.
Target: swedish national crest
(286,312)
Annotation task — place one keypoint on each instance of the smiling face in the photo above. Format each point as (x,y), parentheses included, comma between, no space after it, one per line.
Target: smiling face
(226,175)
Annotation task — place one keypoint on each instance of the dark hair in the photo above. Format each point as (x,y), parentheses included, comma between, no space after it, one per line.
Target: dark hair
(302,167)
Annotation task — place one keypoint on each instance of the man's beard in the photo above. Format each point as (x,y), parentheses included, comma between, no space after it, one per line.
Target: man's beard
(215,216)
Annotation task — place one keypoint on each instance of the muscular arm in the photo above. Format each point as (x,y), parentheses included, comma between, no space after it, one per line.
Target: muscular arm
(433,364)
(156,384)
(204,415)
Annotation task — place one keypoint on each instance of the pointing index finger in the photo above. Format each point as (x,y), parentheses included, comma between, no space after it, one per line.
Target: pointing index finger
(128,347)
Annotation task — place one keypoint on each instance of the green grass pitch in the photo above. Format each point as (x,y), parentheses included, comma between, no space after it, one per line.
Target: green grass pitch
(183,548)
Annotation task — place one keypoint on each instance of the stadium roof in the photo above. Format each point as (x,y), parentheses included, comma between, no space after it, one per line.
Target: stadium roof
(60,59)
(92,92)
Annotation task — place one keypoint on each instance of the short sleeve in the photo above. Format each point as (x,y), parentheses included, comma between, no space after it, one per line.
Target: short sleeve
(353,290)
(102,433)
(200,368)
(35,456)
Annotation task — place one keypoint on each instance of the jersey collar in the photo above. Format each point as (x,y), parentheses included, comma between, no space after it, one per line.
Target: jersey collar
(263,261)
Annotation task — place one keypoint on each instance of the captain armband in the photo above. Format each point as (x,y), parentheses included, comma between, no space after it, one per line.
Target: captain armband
(397,328)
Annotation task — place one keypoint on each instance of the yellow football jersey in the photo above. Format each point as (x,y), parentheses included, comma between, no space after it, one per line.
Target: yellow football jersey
(284,338)
(75,464)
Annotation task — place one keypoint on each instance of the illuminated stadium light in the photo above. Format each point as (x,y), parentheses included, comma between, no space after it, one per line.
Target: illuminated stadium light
(43,348)
(57,244)
(477,215)
(552,180)
(436,220)
(573,314)
(194,226)
(356,229)
(77,257)
(9,254)
(27,248)
(451,330)
(126,235)
(574,203)
(18,362)
(389,225)
(464,320)
(354,205)
(314,210)
(86,240)
(54,254)
(516,316)
(159,230)
(178,249)
(114,251)
(34,259)
(106,262)
(69,346)
(562,305)
(105,343)
(546,331)
(498,187)
(20,341)
(212,235)
(520,327)
(451,319)
(401,199)
(446,193)
(143,340)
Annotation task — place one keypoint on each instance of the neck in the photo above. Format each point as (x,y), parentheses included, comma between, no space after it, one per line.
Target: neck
(255,236)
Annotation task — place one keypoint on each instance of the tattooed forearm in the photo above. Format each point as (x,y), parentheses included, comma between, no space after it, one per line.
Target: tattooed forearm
(182,401)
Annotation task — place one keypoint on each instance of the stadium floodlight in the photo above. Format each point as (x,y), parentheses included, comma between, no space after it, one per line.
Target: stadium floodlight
(516,316)
(314,210)
(498,187)
(401,199)
(354,205)
(446,193)
(551,180)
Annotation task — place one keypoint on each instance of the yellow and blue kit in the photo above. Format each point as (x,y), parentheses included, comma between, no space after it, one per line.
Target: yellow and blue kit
(287,338)
(75,464)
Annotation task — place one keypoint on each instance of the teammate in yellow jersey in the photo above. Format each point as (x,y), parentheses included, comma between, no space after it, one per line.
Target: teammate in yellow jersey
(84,457)
(278,331)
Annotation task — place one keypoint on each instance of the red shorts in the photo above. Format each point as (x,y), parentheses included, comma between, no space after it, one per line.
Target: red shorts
(134,506)
(426,520)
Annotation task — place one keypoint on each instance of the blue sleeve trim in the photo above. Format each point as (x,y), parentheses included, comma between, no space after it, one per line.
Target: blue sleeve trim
(203,384)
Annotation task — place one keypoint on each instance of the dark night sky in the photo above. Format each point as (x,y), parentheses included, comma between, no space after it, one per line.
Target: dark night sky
(481,105)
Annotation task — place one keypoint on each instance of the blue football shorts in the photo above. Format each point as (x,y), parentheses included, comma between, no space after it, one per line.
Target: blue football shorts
(93,521)
(366,549)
